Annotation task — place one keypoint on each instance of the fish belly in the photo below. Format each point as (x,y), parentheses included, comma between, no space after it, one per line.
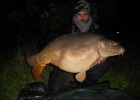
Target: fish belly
(78,62)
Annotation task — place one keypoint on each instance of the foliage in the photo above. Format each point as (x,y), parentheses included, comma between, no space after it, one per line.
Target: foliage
(39,22)
(124,75)
(16,74)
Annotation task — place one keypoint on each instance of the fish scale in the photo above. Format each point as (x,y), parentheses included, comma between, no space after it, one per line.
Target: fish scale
(75,53)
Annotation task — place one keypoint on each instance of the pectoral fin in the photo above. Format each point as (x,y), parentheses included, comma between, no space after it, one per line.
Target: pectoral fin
(81,76)
(37,70)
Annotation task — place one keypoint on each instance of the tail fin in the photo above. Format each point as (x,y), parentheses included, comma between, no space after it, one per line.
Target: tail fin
(37,70)
(32,60)
(37,67)
(40,60)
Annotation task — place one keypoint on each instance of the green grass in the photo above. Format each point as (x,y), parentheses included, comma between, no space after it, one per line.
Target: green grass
(15,74)
(125,76)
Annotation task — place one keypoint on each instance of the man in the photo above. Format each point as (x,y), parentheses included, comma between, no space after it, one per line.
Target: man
(82,22)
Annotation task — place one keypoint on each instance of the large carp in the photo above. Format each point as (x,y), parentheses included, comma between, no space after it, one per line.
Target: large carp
(75,53)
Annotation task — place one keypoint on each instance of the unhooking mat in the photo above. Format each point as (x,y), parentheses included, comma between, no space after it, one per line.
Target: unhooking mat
(38,91)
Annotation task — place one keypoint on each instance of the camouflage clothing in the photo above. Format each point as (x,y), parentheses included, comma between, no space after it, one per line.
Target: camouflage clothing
(82,6)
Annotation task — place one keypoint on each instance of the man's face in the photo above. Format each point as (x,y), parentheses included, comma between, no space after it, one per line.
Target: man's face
(83,16)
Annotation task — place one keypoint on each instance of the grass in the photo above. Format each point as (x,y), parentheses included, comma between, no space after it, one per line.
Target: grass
(125,76)
(15,74)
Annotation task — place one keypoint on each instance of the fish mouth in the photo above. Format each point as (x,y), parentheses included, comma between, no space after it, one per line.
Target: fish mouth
(122,51)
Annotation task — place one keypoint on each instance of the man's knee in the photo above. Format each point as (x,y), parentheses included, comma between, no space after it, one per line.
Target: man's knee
(59,80)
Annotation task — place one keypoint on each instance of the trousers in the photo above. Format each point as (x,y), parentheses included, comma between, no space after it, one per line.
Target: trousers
(61,80)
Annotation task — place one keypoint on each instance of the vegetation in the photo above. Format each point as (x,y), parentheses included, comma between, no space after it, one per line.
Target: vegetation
(16,74)
(37,23)
(124,75)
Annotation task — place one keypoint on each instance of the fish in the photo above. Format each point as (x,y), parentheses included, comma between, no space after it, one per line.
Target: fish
(75,53)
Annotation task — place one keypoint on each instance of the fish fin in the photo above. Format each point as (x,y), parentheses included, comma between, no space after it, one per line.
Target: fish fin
(37,70)
(81,76)
(32,60)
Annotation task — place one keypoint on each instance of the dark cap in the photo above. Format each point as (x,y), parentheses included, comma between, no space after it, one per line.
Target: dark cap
(82,6)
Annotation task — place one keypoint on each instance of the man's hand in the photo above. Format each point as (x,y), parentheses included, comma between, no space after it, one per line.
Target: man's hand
(102,60)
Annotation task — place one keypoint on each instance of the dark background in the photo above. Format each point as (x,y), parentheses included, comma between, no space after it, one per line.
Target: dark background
(21,22)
